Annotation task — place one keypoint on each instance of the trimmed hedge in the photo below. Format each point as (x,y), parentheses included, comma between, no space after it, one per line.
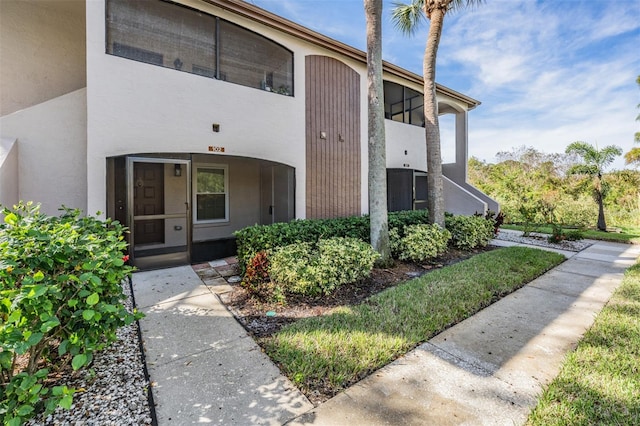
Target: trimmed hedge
(468,232)
(254,239)
(420,242)
(313,269)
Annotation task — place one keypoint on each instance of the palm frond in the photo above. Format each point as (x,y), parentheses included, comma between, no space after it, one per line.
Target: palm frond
(457,5)
(407,17)
(583,169)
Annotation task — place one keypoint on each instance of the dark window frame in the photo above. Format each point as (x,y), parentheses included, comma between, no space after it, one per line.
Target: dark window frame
(408,109)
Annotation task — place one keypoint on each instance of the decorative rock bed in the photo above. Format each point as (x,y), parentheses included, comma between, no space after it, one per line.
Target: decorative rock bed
(538,239)
(113,391)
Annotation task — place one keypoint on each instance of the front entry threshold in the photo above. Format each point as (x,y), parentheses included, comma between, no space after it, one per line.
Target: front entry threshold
(160,261)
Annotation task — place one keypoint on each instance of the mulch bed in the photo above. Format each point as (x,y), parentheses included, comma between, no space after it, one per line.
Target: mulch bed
(251,311)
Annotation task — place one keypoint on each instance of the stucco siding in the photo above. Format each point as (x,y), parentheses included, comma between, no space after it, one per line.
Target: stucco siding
(42,46)
(8,172)
(405,146)
(52,156)
(458,200)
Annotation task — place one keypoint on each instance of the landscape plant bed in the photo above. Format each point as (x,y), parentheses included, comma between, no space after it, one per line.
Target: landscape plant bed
(251,311)
(326,344)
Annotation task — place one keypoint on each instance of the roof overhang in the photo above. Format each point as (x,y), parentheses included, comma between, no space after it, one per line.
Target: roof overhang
(298,31)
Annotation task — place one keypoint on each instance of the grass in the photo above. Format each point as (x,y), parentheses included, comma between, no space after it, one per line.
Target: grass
(629,235)
(600,382)
(334,351)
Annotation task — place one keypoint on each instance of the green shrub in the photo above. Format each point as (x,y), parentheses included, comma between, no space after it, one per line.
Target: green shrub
(468,232)
(582,212)
(60,301)
(574,235)
(400,220)
(310,269)
(256,238)
(419,243)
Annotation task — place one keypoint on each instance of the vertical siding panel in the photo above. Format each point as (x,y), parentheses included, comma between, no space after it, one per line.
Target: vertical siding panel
(325,90)
(308,130)
(356,129)
(333,167)
(344,123)
(337,194)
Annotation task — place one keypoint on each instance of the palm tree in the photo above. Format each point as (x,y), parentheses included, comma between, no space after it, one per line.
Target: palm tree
(594,161)
(379,227)
(406,18)
(633,156)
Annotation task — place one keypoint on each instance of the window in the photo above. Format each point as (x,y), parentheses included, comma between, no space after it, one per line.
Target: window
(161,33)
(249,59)
(403,104)
(174,36)
(211,194)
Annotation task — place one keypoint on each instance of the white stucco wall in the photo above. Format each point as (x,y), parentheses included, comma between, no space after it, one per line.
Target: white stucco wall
(52,157)
(42,47)
(458,200)
(8,172)
(401,137)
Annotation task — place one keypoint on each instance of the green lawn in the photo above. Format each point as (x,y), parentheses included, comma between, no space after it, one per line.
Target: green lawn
(600,382)
(336,350)
(629,235)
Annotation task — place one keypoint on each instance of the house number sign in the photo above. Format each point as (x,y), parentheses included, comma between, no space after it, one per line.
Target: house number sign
(216,149)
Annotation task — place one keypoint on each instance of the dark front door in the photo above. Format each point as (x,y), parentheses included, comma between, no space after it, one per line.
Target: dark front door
(277,194)
(148,200)
(159,213)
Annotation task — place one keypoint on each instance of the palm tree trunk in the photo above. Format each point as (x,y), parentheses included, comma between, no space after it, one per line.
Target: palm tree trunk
(435,199)
(379,229)
(602,224)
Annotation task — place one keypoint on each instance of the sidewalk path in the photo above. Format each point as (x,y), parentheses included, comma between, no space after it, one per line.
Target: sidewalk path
(203,366)
(490,368)
(487,370)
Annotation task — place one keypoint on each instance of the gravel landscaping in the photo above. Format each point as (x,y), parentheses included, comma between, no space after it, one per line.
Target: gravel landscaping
(113,391)
(537,239)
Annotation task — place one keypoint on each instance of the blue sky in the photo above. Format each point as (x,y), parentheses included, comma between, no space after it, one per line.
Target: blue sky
(548,72)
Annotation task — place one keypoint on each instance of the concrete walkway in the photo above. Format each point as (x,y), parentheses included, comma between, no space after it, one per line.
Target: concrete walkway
(488,369)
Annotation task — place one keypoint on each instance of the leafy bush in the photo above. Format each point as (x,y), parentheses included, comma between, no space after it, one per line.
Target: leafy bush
(468,232)
(311,269)
(419,243)
(400,220)
(256,279)
(581,211)
(558,234)
(574,235)
(60,301)
(256,238)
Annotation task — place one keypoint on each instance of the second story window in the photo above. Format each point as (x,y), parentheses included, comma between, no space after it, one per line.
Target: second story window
(172,36)
(403,104)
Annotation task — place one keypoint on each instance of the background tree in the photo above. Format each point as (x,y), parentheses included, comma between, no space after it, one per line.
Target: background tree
(379,227)
(407,17)
(594,161)
(525,180)
(633,156)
